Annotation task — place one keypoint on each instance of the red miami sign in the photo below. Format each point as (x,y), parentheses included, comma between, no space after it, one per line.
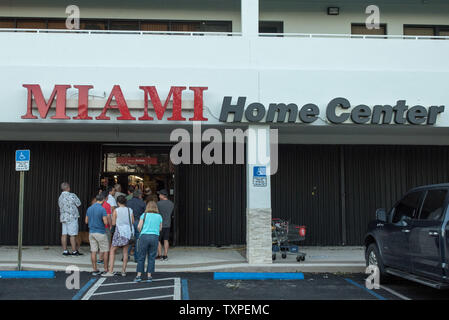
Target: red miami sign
(150,93)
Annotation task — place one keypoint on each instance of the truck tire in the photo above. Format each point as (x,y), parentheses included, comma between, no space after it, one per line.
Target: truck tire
(372,256)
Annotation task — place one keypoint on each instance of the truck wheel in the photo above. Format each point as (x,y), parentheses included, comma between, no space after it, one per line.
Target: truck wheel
(373,257)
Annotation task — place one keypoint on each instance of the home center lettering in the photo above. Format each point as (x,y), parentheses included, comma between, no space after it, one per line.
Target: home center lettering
(337,112)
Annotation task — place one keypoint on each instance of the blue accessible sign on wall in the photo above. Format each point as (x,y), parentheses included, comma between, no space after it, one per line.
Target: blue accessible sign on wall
(260,176)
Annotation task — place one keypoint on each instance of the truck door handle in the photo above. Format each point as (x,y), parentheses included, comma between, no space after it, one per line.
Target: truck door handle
(405,230)
(433,233)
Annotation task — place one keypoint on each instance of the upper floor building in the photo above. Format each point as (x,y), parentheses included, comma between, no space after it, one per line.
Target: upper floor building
(396,17)
(310,52)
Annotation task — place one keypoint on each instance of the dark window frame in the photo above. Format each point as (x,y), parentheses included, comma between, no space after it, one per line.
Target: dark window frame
(436,28)
(356,24)
(279,25)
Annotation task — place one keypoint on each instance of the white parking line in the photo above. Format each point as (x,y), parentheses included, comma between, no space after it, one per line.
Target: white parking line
(93,289)
(397,294)
(177,290)
(132,282)
(151,298)
(131,290)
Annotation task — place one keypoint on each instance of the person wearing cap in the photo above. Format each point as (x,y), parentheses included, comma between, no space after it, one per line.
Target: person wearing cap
(165,207)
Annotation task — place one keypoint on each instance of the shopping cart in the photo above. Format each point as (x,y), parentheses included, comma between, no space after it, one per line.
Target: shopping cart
(286,237)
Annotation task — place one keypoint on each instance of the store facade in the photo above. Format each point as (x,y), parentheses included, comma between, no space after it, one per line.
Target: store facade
(359,122)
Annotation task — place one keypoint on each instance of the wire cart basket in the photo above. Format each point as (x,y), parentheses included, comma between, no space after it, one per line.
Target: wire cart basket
(286,237)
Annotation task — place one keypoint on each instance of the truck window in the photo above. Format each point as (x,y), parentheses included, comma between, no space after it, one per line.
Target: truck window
(433,205)
(407,207)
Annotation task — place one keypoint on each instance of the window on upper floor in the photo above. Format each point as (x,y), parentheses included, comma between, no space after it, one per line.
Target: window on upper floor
(31,24)
(189,26)
(56,24)
(271,27)
(7,23)
(360,28)
(154,26)
(116,24)
(426,30)
(93,25)
(130,25)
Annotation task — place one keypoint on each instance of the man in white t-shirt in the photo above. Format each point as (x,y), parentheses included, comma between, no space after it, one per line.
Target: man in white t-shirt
(111,199)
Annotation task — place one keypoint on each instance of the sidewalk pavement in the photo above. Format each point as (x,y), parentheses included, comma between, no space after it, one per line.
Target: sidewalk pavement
(194,259)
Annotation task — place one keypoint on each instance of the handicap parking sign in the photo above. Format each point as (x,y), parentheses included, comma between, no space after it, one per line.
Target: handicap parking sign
(260,176)
(22,160)
(260,171)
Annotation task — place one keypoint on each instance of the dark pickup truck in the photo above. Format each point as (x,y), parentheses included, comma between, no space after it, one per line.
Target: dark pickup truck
(411,241)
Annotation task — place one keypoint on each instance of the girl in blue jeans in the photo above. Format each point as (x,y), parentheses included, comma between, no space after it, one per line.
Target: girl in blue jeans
(150,224)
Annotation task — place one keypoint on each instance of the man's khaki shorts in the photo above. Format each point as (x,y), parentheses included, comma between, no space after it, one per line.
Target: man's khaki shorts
(98,241)
(108,235)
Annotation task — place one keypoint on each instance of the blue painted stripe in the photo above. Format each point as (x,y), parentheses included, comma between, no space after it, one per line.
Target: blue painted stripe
(258,276)
(378,296)
(185,290)
(27,274)
(84,289)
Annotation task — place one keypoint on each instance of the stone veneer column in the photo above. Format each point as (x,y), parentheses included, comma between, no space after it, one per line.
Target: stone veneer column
(258,212)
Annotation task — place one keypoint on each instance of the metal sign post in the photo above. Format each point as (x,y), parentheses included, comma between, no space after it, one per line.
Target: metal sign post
(19,259)
(22,165)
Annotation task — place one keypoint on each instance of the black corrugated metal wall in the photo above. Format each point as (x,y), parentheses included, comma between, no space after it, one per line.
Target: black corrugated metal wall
(211,208)
(306,191)
(377,176)
(307,188)
(51,164)
(211,200)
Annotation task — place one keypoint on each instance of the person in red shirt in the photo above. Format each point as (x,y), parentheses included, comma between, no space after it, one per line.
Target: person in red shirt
(108,209)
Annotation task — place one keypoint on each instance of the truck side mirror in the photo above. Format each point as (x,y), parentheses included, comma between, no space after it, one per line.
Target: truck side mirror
(381,215)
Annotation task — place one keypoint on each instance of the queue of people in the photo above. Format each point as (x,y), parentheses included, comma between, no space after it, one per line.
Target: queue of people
(118,221)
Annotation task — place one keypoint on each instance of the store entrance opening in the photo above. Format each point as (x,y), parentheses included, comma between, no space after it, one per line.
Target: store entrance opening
(146,167)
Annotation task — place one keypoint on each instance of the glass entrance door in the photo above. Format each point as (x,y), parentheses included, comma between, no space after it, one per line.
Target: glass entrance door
(145,167)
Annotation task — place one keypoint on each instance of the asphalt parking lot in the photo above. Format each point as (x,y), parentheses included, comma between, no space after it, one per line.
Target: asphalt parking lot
(202,286)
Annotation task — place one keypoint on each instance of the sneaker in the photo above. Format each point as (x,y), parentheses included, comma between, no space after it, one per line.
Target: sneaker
(164,258)
(100,262)
(123,274)
(138,279)
(150,279)
(108,274)
(158,258)
(66,253)
(96,273)
(77,253)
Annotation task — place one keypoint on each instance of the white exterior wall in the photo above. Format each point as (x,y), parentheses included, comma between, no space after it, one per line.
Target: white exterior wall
(266,70)
(263,69)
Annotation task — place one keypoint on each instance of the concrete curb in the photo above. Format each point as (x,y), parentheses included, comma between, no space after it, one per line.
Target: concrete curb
(237,267)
